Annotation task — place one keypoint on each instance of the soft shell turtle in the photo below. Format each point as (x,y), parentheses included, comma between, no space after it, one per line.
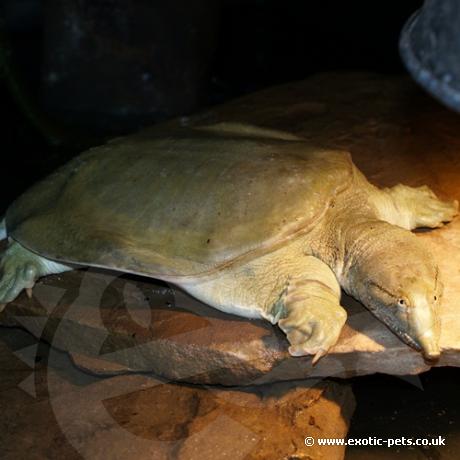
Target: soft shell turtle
(254,222)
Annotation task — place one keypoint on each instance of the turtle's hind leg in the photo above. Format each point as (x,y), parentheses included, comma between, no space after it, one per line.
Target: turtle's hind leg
(413,207)
(20,269)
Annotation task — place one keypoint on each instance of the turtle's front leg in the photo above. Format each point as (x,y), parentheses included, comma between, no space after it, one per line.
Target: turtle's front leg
(313,317)
(20,268)
(299,293)
(413,207)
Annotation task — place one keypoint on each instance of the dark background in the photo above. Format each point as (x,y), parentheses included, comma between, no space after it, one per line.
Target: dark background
(254,44)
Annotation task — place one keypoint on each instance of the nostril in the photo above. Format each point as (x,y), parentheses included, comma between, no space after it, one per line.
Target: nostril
(430,346)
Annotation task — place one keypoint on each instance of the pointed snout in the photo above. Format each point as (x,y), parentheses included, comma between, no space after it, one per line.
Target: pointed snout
(424,328)
(430,345)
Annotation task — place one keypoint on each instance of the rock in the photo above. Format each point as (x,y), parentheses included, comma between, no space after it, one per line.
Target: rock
(51,410)
(63,415)
(395,134)
(28,382)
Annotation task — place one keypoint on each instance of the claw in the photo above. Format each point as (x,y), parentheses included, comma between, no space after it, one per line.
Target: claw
(322,352)
(29,292)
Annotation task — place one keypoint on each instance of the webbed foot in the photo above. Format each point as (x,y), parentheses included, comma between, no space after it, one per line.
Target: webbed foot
(312,329)
(420,207)
(20,269)
(431,211)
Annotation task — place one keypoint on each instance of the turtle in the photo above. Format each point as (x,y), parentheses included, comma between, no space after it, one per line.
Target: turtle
(252,221)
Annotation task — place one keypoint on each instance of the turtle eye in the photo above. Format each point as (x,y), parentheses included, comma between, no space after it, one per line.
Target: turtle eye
(435,298)
(402,302)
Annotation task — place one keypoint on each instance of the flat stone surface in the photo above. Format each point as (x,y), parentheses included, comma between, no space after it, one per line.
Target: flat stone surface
(395,134)
(53,411)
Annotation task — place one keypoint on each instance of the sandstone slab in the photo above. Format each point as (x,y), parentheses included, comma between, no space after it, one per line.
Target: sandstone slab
(395,133)
(56,413)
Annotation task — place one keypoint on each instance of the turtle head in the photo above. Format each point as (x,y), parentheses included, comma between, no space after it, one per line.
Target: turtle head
(408,307)
(398,282)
